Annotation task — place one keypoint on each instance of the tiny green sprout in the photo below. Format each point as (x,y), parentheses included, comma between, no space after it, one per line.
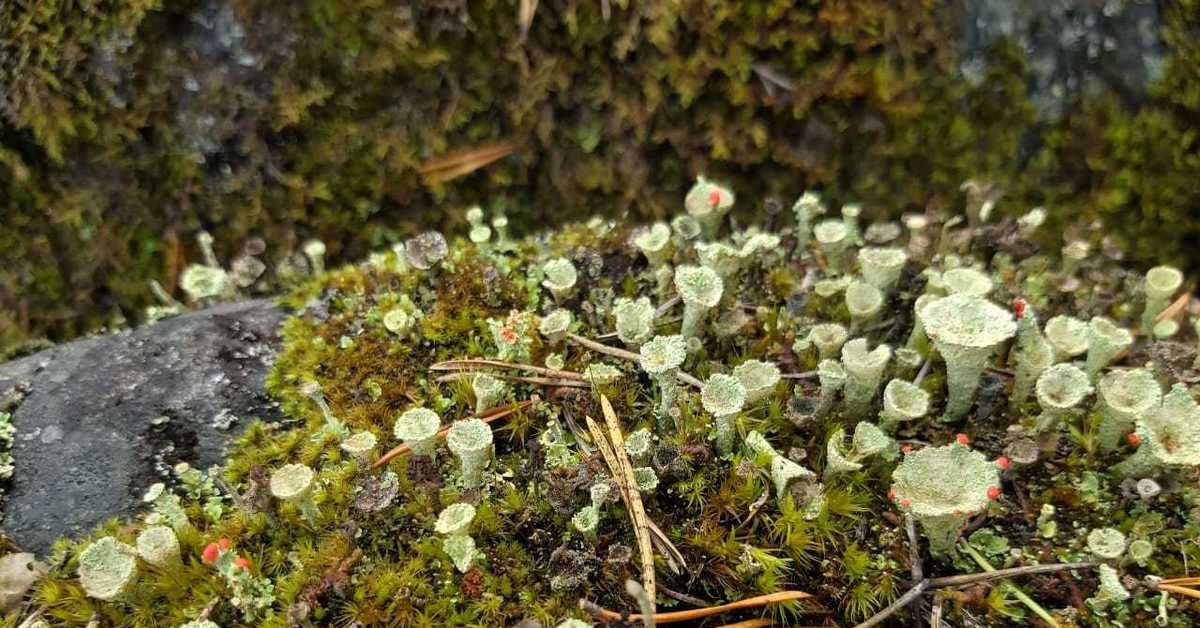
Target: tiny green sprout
(700,288)
(1110,591)
(1032,355)
(204,240)
(1068,335)
(758,378)
(1073,254)
(294,483)
(489,391)
(1140,551)
(204,282)
(455,519)
(829,338)
(655,243)
(686,228)
(418,428)
(470,440)
(917,339)
(1106,543)
(360,445)
(1125,395)
(635,320)
(661,358)
(500,225)
(601,374)
(1167,437)
(864,302)
(829,288)
(1165,328)
(1105,341)
(1031,220)
(1162,282)
(600,494)
(1060,389)
(480,234)
(966,330)
(783,470)
(850,215)
(158,546)
(864,370)
(555,361)
(881,267)
(314,250)
(423,251)
(1046,525)
(461,550)
(920,487)
(560,277)
(646,479)
(586,521)
(708,202)
(107,568)
(555,325)
(474,216)
(833,238)
(723,396)
(398,321)
(806,208)
(868,440)
(639,446)
(902,402)
(195,623)
(907,361)
(832,376)
(967,281)
(723,259)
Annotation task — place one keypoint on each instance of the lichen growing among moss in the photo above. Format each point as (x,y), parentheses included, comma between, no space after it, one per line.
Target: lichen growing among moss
(726,481)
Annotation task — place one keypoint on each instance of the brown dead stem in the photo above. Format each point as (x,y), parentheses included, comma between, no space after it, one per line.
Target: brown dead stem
(699,613)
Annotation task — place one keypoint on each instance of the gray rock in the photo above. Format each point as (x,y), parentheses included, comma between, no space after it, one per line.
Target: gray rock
(91,434)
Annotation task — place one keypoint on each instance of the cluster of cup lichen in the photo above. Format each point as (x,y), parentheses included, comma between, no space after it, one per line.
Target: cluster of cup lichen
(775,386)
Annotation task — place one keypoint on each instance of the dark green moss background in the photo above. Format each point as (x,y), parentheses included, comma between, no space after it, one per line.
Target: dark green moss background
(128,125)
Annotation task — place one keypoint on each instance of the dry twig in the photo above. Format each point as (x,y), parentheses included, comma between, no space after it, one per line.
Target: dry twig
(697,613)
(617,352)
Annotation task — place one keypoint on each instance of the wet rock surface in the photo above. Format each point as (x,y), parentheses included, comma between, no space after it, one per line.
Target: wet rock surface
(104,417)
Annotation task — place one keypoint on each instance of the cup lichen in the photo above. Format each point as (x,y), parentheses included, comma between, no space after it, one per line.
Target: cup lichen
(966,330)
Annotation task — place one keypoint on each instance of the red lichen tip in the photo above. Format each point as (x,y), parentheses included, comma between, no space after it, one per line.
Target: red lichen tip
(1134,439)
(891,494)
(1019,306)
(906,449)
(210,553)
(224,544)
(993,493)
(906,502)
(1003,463)
(243,562)
(714,198)
(962,438)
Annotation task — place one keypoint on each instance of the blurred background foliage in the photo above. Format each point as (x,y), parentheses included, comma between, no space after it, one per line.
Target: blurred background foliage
(128,125)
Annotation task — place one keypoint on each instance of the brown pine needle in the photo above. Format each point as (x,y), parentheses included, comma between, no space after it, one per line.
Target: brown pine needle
(488,416)
(461,163)
(1176,306)
(537,381)
(700,613)
(1180,581)
(1170,588)
(750,623)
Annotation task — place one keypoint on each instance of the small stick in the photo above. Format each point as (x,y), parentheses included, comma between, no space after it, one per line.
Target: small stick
(697,613)
(935,616)
(487,416)
(750,623)
(626,355)
(923,372)
(1185,581)
(683,597)
(666,306)
(1173,310)
(983,576)
(473,364)
(538,381)
(914,549)
(902,601)
(803,375)
(636,510)
(1171,588)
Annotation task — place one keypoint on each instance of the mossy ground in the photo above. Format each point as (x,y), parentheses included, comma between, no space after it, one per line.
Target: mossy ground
(358,567)
(127,125)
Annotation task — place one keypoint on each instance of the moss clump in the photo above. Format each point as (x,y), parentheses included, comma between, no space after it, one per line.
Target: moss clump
(355,544)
